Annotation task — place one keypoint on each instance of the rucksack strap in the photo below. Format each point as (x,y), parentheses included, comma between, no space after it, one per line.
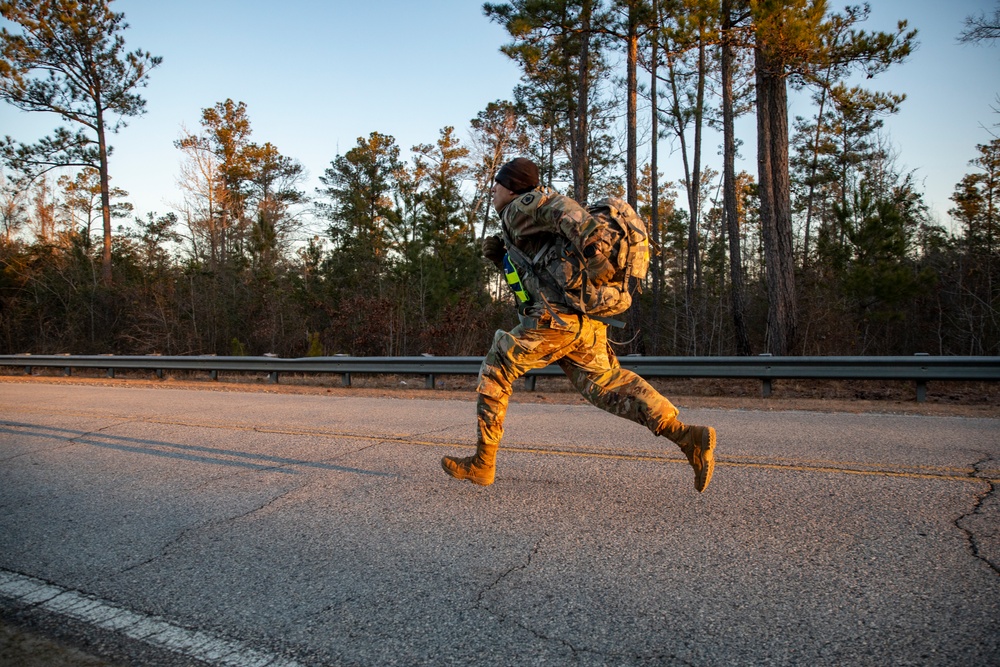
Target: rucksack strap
(529,265)
(610,321)
(526,261)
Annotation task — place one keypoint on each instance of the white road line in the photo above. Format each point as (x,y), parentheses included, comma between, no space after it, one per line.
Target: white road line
(148,629)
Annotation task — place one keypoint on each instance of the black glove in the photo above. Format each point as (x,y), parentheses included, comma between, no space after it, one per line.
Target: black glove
(494,250)
(599,268)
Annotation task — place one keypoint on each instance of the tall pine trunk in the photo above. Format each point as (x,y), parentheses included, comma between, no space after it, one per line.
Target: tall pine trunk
(738,293)
(775,204)
(579,127)
(102,148)
(631,159)
(654,218)
(694,181)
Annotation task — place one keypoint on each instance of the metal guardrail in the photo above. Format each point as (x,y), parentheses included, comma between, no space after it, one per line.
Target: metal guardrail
(918,369)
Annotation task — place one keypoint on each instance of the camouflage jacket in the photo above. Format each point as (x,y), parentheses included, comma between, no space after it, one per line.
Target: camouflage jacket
(534,223)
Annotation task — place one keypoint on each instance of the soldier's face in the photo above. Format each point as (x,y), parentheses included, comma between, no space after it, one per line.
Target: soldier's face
(501,196)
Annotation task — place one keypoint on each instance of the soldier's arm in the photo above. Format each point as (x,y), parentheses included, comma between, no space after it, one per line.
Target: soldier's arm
(569,219)
(577,224)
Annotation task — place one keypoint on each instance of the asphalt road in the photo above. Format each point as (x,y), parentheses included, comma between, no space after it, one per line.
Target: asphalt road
(171,527)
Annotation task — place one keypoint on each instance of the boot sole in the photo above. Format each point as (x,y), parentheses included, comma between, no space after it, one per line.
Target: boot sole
(708,463)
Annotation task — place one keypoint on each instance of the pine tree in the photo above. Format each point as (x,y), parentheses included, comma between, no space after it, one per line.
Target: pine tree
(239,192)
(977,201)
(450,267)
(555,46)
(69,59)
(357,201)
(82,201)
(839,150)
(794,39)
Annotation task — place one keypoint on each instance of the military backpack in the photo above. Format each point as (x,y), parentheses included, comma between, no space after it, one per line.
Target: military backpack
(620,236)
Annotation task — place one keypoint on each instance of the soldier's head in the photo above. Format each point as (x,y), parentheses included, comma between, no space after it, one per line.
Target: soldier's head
(518,176)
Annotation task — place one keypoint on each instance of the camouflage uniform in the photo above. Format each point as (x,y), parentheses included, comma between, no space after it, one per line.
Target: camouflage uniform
(551,333)
(547,238)
(581,349)
(533,222)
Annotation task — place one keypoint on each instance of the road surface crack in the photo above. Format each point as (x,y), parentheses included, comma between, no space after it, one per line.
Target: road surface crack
(965,523)
(482,603)
(170,545)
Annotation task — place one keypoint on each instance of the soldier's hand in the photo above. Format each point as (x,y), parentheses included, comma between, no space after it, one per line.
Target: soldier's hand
(598,266)
(494,250)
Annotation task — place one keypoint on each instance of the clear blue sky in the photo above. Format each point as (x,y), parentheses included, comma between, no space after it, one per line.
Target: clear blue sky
(316,75)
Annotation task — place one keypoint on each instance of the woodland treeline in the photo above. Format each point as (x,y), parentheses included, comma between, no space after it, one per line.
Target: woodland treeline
(828,249)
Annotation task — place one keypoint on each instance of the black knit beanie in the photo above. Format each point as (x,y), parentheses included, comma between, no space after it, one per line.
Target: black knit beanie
(520,175)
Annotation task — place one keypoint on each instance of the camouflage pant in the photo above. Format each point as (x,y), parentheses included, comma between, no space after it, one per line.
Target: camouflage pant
(581,349)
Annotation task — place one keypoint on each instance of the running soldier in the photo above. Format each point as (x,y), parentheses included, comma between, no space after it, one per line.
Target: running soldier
(552,330)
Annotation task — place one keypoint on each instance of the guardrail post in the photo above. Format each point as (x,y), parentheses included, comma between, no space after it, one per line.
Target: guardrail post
(345,379)
(273,377)
(68,371)
(27,370)
(529,382)
(921,384)
(765,383)
(159,373)
(214,375)
(429,381)
(111,373)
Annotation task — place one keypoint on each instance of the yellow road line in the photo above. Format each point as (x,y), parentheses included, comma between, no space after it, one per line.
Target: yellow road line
(835,467)
(951,474)
(728,463)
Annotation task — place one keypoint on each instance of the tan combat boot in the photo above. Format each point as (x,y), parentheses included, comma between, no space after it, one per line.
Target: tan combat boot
(480,468)
(698,444)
